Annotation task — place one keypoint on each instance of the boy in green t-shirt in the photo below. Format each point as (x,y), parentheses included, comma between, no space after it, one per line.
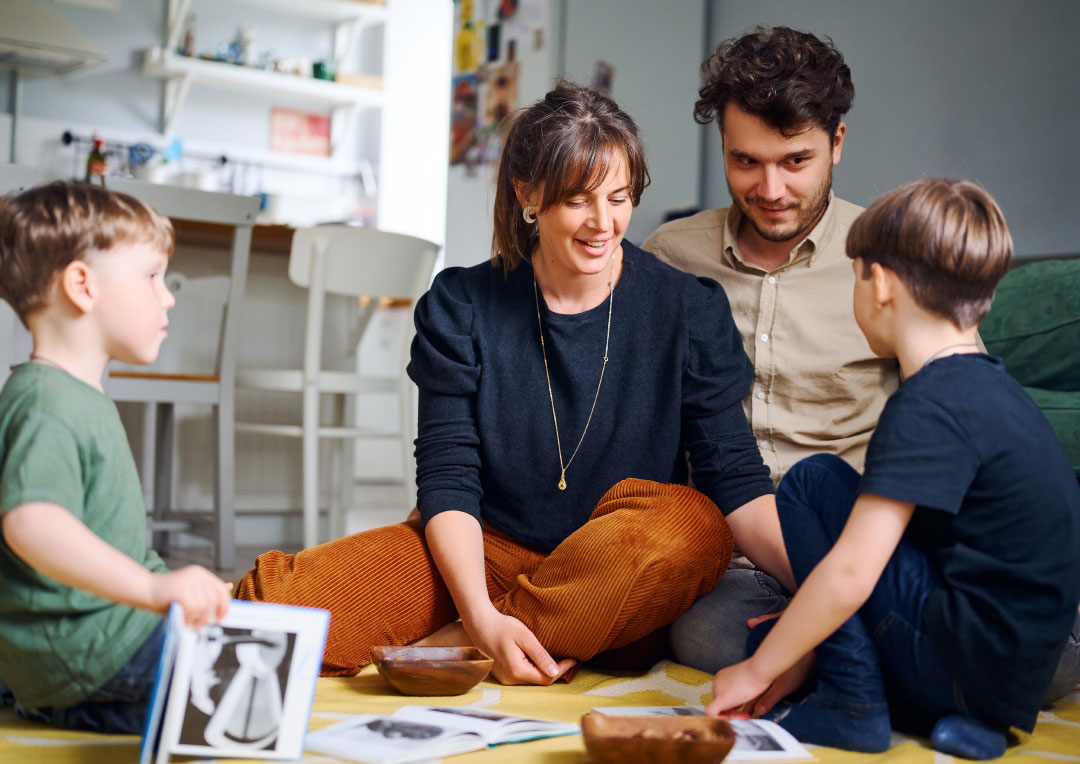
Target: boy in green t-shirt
(80,594)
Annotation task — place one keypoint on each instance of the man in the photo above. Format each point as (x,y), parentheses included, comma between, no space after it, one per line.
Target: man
(778,96)
(779,250)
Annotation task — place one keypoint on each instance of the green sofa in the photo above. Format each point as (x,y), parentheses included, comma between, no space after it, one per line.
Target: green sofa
(1034,326)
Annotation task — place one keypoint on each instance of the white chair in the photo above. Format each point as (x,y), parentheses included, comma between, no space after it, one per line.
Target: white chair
(163,391)
(369,266)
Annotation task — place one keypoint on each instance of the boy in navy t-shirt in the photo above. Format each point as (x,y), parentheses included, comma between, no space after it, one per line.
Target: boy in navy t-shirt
(942,585)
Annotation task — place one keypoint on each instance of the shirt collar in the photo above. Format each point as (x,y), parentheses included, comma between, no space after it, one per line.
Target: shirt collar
(819,237)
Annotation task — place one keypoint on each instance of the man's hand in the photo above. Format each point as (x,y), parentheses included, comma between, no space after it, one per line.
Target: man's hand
(519,656)
(203,595)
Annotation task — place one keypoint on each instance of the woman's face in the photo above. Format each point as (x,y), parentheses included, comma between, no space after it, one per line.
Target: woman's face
(579,235)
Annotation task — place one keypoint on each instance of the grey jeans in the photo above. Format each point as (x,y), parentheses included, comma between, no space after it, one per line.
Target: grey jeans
(712,633)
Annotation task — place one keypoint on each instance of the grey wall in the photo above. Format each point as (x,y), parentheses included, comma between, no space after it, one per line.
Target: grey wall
(656,50)
(986,90)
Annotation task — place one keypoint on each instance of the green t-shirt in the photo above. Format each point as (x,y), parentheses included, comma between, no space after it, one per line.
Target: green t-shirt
(61,442)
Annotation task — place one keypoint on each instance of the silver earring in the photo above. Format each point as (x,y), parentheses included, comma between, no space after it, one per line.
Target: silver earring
(527,214)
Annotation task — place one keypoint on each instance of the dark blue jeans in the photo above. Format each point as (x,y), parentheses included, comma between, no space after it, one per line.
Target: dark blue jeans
(118,706)
(883,652)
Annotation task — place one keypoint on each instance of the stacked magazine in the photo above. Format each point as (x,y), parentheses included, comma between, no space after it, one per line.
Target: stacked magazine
(418,733)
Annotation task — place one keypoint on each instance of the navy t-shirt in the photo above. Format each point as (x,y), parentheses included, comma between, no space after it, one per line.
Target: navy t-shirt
(675,380)
(998,513)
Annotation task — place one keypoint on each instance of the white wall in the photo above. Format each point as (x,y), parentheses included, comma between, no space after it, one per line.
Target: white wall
(655,49)
(980,89)
(471,193)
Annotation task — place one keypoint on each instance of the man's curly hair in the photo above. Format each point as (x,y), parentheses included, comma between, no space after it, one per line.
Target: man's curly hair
(789,79)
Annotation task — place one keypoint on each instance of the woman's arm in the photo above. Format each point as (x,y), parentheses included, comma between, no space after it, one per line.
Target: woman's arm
(457,546)
(832,593)
(57,544)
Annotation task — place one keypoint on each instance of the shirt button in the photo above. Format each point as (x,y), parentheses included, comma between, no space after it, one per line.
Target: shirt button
(772,279)
(763,444)
(764,338)
(760,395)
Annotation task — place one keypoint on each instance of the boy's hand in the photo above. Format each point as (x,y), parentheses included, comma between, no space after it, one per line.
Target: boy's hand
(735,689)
(203,595)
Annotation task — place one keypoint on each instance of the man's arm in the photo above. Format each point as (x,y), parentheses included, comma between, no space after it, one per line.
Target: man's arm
(834,591)
(756,528)
(57,544)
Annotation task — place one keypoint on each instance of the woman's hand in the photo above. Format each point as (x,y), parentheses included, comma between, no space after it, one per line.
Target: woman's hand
(519,656)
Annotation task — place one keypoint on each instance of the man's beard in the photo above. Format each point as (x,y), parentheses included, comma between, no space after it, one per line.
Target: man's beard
(806,217)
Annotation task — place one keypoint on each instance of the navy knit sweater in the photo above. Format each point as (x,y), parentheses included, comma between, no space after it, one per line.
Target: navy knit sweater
(675,380)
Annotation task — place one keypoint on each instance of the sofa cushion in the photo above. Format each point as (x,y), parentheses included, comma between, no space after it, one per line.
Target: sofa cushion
(1062,409)
(1034,324)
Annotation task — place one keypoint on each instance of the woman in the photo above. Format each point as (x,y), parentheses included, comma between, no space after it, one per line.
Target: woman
(560,387)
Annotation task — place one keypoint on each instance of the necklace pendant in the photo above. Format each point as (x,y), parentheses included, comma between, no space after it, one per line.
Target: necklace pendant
(562,481)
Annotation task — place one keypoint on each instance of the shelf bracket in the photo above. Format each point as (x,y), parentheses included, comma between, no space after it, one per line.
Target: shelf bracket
(176,91)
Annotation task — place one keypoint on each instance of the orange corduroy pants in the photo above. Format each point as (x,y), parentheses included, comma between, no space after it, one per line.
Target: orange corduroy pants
(647,552)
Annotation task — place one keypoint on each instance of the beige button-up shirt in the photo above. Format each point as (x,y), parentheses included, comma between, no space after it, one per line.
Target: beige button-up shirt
(817,385)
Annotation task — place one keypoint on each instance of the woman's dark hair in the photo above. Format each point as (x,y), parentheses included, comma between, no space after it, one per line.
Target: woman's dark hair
(789,79)
(565,145)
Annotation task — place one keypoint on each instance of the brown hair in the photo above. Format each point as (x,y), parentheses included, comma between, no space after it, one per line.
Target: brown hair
(789,79)
(45,229)
(946,240)
(565,143)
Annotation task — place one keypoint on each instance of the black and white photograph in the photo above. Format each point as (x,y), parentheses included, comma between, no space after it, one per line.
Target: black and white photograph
(237,689)
(385,729)
(474,713)
(751,737)
(244,686)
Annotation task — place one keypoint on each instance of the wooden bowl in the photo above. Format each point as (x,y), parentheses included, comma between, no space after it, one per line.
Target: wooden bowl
(656,739)
(431,670)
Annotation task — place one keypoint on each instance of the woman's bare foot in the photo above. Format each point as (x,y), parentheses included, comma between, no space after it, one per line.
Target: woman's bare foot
(451,635)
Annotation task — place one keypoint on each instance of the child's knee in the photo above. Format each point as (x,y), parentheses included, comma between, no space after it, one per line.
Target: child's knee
(822,483)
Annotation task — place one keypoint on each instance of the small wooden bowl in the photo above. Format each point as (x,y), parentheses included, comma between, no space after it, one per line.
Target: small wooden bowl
(431,670)
(656,739)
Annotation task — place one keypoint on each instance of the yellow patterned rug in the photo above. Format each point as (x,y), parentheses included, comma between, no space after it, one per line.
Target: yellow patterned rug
(1056,737)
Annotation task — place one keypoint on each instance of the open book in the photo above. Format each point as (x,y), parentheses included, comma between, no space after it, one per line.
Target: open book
(755,739)
(416,733)
(241,687)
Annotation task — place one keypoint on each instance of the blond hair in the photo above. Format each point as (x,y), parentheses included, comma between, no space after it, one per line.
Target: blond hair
(44,229)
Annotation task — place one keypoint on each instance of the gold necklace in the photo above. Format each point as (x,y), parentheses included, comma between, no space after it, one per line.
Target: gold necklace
(547,373)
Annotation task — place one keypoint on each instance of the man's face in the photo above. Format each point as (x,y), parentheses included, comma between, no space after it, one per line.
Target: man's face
(780,184)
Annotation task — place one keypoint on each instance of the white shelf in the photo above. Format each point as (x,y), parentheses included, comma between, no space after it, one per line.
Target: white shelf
(366,13)
(168,66)
(348,17)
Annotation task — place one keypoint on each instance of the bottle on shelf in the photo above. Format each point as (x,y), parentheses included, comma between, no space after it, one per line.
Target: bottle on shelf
(187,45)
(96,164)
